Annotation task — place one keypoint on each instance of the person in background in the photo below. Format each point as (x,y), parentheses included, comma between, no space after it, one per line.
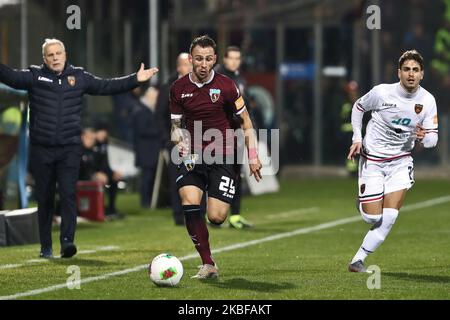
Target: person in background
(56,89)
(147,143)
(114,177)
(230,67)
(184,67)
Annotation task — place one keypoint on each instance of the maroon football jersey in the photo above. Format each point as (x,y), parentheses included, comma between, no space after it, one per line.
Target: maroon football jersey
(212,103)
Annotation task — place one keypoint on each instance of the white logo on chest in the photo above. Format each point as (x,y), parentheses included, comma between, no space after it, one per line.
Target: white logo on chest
(45,79)
(186,95)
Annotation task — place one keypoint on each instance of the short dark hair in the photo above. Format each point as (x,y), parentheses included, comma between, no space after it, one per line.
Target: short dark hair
(232,49)
(204,42)
(411,55)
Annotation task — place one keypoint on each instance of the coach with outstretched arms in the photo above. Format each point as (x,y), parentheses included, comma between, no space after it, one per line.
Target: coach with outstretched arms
(55,91)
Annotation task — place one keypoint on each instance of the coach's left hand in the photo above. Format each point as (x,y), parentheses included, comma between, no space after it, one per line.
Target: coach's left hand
(145,74)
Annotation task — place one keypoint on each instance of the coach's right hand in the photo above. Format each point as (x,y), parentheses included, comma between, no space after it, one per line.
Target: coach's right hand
(355,149)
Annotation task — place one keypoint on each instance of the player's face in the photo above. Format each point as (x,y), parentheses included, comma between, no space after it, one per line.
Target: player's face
(203,60)
(233,61)
(410,75)
(55,57)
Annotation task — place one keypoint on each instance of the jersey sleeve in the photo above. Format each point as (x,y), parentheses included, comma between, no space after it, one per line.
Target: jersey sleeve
(176,109)
(430,123)
(369,101)
(235,99)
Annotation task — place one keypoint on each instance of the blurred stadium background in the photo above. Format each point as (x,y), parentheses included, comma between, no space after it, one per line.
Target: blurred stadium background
(301,61)
(300,58)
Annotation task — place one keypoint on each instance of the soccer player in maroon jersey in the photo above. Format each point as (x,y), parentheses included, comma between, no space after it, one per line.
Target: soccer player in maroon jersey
(208,98)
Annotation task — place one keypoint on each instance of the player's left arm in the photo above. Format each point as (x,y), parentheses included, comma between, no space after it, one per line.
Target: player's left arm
(234,98)
(252,145)
(427,133)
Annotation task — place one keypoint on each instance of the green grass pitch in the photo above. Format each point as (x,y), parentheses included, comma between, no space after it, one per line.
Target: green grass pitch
(299,249)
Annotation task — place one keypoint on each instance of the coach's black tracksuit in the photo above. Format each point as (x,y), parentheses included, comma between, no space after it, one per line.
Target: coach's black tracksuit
(55,129)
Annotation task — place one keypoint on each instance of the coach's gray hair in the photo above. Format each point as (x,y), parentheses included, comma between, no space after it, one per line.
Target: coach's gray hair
(48,42)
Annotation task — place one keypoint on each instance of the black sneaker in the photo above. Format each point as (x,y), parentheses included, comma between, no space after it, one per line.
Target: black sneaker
(357,266)
(46,253)
(68,250)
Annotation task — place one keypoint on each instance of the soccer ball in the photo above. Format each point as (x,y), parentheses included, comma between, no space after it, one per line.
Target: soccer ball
(165,270)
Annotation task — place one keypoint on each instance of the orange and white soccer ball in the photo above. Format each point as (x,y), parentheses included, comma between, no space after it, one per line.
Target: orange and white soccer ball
(165,270)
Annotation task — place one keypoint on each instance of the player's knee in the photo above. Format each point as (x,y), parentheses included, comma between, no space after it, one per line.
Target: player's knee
(217,217)
(216,220)
(371,218)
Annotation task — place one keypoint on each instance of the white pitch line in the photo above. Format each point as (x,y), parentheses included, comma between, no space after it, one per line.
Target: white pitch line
(291,213)
(331,224)
(32,261)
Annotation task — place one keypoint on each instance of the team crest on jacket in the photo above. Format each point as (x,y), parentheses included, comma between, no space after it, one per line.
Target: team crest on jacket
(214,94)
(71,80)
(418,108)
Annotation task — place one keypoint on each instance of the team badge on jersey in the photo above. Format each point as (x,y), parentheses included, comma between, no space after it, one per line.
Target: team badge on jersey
(418,108)
(71,80)
(362,188)
(214,94)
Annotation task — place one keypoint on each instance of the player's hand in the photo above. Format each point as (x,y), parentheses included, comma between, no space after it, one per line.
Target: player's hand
(420,132)
(183,147)
(355,149)
(145,74)
(255,169)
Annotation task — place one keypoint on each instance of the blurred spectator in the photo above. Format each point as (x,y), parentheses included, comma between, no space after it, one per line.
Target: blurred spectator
(102,162)
(184,66)
(124,106)
(351,95)
(230,67)
(147,143)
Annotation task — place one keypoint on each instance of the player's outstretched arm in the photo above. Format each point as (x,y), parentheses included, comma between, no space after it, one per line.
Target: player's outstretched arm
(251,143)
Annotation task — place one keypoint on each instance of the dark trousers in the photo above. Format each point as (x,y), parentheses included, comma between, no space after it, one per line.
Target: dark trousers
(51,166)
(175,200)
(146,187)
(112,195)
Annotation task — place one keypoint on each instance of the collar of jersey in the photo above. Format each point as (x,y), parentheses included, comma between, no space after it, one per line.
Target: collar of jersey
(198,84)
(405,94)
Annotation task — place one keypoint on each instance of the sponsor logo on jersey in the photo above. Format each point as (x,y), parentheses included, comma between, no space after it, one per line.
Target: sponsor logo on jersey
(186,95)
(71,80)
(214,94)
(418,108)
(45,79)
(385,104)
